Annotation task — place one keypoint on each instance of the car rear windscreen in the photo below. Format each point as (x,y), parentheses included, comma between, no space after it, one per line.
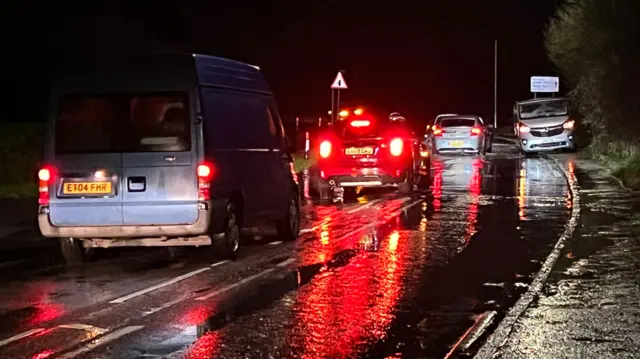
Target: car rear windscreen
(152,122)
(457,122)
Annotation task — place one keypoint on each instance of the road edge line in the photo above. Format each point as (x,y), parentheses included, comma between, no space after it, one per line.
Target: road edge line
(500,336)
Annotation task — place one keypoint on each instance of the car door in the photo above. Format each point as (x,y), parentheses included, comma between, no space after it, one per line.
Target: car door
(86,161)
(159,167)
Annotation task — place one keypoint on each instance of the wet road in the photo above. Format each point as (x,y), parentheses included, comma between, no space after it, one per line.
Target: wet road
(379,276)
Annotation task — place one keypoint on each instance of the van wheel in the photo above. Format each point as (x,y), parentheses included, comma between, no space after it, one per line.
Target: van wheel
(73,251)
(289,227)
(231,239)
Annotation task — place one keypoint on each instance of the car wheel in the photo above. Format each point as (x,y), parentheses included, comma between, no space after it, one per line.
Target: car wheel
(231,236)
(289,227)
(74,253)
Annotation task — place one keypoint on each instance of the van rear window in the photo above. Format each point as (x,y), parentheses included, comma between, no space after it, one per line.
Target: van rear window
(154,122)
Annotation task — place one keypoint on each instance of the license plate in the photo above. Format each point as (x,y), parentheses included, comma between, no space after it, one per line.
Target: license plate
(354,151)
(456,143)
(87,188)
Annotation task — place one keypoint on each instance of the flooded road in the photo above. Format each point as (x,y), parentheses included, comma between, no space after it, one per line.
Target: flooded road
(379,276)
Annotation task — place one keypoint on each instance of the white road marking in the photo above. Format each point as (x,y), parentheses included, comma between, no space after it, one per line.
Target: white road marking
(219,263)
(20,336)
(364,206)
(376,223)
(274,243)
(286,262)
(307,230)
(161,285)
(231,286)
(505,327)
(102,340)
(166,305)
(79,326)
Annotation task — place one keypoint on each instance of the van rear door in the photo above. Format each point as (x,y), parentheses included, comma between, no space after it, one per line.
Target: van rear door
(160,162)
(87,161)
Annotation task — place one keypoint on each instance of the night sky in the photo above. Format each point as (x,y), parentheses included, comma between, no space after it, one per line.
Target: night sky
(418,58)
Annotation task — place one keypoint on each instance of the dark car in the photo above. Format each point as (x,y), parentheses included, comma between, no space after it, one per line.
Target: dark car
(164,151)
(367,149)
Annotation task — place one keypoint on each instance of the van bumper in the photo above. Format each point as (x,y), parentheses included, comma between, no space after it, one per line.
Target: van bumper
(201,226)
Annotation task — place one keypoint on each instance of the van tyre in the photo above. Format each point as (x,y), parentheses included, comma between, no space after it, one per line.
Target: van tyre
(73,252)
(231,238)
(289,227)
(407,186)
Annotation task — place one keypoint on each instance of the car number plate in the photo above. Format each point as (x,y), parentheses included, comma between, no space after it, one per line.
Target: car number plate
(86,188)
(456,143)
(354,151)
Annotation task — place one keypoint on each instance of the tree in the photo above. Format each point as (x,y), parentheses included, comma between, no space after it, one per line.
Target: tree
(596,45)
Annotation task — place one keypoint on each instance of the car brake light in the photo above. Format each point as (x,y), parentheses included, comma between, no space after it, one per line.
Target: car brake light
(44,178)
(437,131)
(360,123)
(205,175)
(524,128)
(569,125)
(325,148)
(475,131)
(395,147)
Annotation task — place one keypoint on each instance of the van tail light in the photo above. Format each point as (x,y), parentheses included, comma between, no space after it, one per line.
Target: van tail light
(437,131)
(524,128)
(325,148)
(395,147)
(476,131)
(205,175)
(45,178)
(569,125)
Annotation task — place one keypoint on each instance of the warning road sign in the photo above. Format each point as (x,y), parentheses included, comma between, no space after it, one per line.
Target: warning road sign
(339,83)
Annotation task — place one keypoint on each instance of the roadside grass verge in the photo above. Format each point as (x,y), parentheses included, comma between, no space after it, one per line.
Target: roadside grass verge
(300,163)
(21,147)
(19,191)
(622,158)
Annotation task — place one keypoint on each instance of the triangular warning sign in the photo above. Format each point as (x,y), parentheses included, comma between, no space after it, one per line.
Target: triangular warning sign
(339,83)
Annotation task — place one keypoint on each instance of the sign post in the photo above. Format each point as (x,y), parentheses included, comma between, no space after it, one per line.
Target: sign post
(338,84)
(544,84)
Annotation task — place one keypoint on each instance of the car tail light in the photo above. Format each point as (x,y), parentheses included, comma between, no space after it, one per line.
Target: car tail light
(395,147)
(437,131)
(205,175)
(475,131)
(524,128)
(569,125)
(45,176)
(325,148)
(360,123)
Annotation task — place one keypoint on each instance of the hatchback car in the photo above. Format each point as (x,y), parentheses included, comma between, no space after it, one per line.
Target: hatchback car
(365,149)
(460,134)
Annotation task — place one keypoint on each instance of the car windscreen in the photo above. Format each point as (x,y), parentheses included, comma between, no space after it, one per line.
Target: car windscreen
(373,128)
(543,109)
(150,122)
(457,122)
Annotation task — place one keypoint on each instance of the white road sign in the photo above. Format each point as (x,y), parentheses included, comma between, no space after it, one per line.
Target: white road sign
(339,83)
(545,84)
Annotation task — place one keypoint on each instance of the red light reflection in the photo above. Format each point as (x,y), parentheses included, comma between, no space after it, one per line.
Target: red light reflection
(43,354)
(205,347)
(438,169)
(197,315)
(348,306)
(475,189)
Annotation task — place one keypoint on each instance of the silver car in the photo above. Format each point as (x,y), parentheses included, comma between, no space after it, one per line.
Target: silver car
(544,125)
(459,134)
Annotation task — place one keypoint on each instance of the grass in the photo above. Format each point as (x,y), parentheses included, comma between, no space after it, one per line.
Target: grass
(300,163)
(622,158)
(19,191)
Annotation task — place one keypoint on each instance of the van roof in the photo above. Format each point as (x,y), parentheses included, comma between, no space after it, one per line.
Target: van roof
(203,70)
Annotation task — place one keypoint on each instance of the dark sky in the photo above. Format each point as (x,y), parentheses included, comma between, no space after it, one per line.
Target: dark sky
(420,57)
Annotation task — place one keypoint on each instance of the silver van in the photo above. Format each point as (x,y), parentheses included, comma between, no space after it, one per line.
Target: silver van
(544,124)
(164,150)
